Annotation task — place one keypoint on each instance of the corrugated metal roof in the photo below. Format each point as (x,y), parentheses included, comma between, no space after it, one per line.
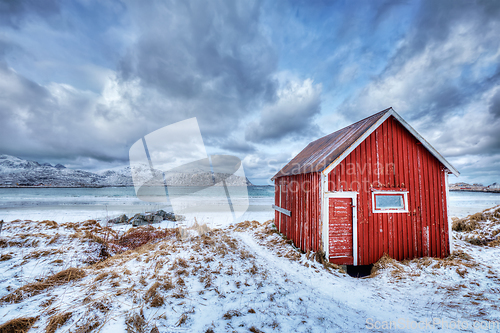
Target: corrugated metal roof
(321,153)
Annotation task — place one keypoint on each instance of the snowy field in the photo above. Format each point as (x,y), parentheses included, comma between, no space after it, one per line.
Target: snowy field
(84,277)
(245,278)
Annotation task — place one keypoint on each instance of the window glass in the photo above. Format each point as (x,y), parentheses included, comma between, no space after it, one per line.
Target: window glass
(385,201)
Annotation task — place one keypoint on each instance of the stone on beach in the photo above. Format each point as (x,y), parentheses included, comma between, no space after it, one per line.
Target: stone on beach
(147,218)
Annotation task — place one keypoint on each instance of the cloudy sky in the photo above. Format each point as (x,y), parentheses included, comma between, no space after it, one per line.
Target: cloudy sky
(81,81)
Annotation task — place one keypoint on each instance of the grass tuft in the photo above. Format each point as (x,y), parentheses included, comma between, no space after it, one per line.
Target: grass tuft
(5,257)
(136,323)
(230,314)
(35,288)
(18,325)
(57,321)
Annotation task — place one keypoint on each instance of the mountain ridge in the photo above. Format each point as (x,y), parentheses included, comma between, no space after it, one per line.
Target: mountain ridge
(16,172)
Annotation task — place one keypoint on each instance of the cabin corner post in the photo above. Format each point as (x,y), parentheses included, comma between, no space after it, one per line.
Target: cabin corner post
(324,217)
(450,229)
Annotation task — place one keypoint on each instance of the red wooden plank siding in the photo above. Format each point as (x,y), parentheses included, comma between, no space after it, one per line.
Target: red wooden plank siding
(403,164)
(301,195)
(389,158)
(403,169)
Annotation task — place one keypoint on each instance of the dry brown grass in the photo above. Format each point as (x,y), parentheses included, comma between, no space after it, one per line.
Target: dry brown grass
(19,243)
(102,306)
(54,239)
(458,260)
(5,257)
(465,225)
(88,324)
(18,325)
(182,320)
(494,243)
(30,235)
(230,314)
(179,262)
(153,297)
(48,302)
(246,255)
(136,323)
(35,288)
(201,229)
(422,262)
(246,225)
(71,225)
(42,253)
(50,224)
(252,270)
(386,262)
(137,237)
(93,237)
(57,321)
(104,275)
(478,224)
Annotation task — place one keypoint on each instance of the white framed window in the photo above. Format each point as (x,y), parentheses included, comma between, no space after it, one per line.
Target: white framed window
(390,201)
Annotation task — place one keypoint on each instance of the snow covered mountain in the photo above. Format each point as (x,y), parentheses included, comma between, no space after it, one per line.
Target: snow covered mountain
(18,172)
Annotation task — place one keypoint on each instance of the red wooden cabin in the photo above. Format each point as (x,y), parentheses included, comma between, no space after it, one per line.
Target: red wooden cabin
(371,188)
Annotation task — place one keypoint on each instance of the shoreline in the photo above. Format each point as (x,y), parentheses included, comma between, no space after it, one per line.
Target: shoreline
(112,186)
(476,191)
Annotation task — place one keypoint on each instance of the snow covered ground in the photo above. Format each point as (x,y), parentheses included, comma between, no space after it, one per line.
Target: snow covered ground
(244,278)
(236,279)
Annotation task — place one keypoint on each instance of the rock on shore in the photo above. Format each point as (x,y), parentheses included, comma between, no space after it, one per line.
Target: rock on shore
(147,218)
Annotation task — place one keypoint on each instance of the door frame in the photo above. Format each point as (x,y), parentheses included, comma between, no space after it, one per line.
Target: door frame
(326,220)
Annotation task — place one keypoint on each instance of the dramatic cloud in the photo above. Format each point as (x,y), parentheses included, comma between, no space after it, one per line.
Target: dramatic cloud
(14,12)
(82,80)
(292,115)
(448,55)
(444,78)
(209,60)
(58,121)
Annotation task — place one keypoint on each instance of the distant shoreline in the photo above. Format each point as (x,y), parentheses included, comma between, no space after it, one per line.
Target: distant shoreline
(479,190)
(253,185)
(110,186)
(100,186)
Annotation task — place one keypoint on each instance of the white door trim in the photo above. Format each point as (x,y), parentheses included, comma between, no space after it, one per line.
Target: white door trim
(347,195)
